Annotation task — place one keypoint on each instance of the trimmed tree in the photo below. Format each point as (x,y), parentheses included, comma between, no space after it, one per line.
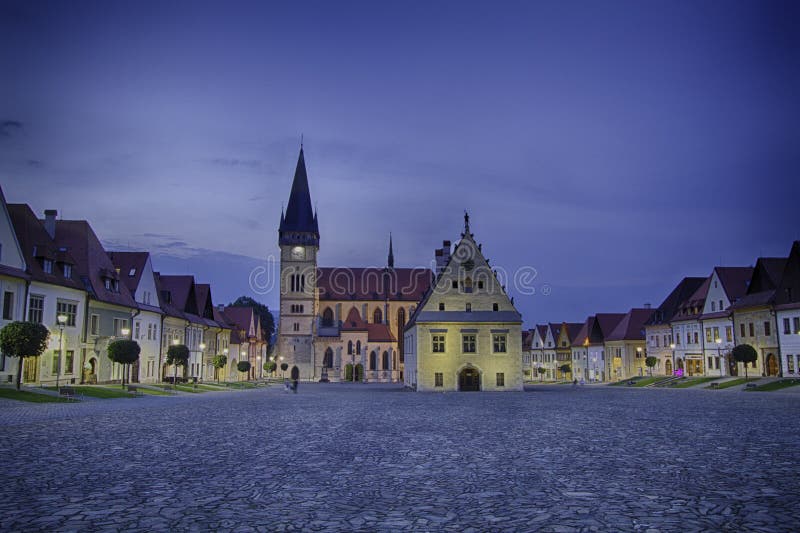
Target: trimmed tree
(21,340)
(177,355)
(651,361)
(124,352)
(565,369)
(219,362)
(284,367)
(541,371)
(269,366)
(243,366)
(744,353)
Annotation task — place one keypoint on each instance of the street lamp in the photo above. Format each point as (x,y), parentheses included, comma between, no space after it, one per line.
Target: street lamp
(62,321)
(202,349)
(672,347)
(258,359)
(125,332)
(719,355)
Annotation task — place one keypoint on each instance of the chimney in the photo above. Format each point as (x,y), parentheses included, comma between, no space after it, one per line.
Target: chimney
(50,222)
(647,306)
(445,251)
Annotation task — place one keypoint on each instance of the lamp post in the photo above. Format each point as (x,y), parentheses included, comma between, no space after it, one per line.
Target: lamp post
(62,321)
(718,341)
(639,356)
(126,333)
(258,359)
(243,353)
(202,354)
(672,347)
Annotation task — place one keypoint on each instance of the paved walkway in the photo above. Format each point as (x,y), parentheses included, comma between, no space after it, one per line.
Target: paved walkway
(350,457)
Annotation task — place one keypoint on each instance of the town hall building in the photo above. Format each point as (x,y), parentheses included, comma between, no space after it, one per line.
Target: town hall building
(363,323)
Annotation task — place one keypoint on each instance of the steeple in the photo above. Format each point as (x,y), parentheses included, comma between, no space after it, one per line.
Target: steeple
(466,225)
(391,253)
(299,222)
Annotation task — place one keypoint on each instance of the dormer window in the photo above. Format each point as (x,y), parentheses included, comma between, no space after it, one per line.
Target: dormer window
(47,266)
(107,284)
(67,270)
(132,272)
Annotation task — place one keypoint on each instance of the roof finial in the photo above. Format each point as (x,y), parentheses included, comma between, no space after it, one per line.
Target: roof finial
(301,141)
(466,222)
(391,252)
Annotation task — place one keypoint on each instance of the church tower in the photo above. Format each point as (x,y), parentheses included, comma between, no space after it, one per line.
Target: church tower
(298,238)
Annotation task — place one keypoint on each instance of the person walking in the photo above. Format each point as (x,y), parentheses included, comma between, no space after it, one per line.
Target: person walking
(294,386)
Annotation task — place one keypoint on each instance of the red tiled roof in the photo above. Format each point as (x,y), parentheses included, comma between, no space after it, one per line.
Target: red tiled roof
(354,322)
(241,317)
(31,234)
(397,284)
(379,333)
(92,261)
(631,327)
(127,261)
(606,323)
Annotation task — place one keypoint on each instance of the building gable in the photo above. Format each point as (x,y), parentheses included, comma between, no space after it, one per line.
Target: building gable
(10,249)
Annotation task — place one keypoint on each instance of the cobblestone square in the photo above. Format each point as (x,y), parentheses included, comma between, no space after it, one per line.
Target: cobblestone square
(347,457)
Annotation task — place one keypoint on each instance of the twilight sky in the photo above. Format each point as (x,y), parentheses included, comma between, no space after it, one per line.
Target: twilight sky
(613,146)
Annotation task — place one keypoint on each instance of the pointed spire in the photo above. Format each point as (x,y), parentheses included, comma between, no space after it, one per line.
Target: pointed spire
(466,223)
(391,252)
(299,216)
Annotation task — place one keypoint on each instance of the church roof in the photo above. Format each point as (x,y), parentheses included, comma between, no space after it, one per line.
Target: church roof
(299,216)
(395,284)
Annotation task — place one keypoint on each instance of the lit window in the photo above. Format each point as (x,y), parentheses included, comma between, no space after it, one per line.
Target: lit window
(499,343)
(47,266)
(468,343)
(438,343)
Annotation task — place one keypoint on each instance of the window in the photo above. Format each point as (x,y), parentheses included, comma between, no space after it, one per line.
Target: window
(728,334)
(358,347)
(495,307)
(132,272)
(36,308)
(713,305)
(438,343)
(787,327)
(501,379)
(94,328)
(480,284)
(721,307)
(752,329)
(796,324)
(696,338)
(716,334)
(8,306)
(377,316)
(54,368)
(119,325)
(710,362)
(455,284)
(69,310)
(327,317)
(688,338)
(385,361)
(438,379)
(441,306)
(499,343)
(790,364)
(742,328)
(47,266)
(468,343)
(107,283)
(708,335)
(468,285)
(69,358)
(767,329)
(469,307)
(137,327)
(67,270)
(295,327)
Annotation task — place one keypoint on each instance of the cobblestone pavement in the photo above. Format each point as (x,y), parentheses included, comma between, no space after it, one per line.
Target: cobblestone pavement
(348,457)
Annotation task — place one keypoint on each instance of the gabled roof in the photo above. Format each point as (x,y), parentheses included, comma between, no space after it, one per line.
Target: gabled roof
(181,292)
(692,307)
(379,333)
(765,278)
(527,339)
(11,263)
(682,292)
(788,291)
(583,334)
(36,244)
(299,216)
(354,322)
(631,327)
(205,306)
(242,317)
(128,262)
(735,281)
(393,284)
(92,262)
(542,329)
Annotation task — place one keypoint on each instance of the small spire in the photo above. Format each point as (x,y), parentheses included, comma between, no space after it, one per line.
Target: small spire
(466,222)
(391,252)
(301,141)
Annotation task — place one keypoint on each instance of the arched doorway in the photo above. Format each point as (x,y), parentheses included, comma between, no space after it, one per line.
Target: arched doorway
(348,372)
(733,366)
(668,367)
(469,379)
(772,365)
(327,361)
(359,372)
(295,373)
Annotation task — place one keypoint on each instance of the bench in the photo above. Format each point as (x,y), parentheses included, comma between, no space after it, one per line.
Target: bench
(631,383)
(715,385)
(751,386)
(67,392)
(134,390)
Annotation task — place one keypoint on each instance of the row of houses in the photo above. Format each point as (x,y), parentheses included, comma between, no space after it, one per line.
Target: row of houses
(56,272)
(692,332)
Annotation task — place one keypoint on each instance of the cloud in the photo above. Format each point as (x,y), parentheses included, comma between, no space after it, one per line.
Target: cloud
(9,128)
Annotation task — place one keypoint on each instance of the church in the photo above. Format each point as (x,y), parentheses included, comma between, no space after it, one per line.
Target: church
(351,323)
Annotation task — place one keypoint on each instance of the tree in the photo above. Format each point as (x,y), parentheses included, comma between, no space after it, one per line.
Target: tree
(177,355)
(565,369)
(124,352)
(23,339)
(284,367)
(243,366)
(269,366)
(651,361)
(541,372)
(264,314)
(219,362)
(744,353)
